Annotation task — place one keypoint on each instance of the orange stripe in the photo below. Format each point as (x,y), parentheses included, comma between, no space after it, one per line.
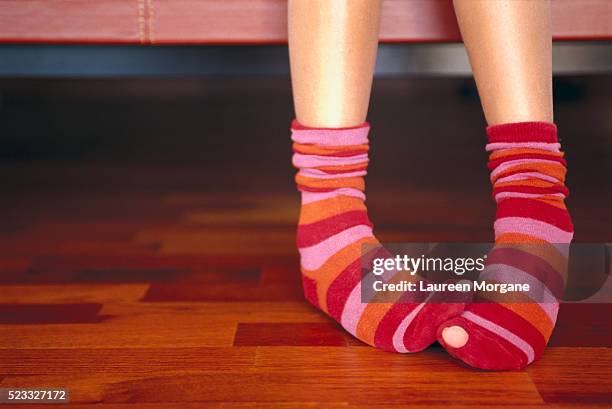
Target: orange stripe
(555,170)
(357,166)
(517,238)
(354,182)
(327,150)
(529,310)
(523,151)
(322,209)
(376,310)
(553,201)
(331,269)
(534,314)
(369,320)
(528,182)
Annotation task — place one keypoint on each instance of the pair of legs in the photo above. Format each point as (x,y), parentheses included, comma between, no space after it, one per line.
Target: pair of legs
(333,46)
(333,50)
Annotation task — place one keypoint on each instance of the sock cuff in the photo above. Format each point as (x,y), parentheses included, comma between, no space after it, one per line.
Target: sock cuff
(298,126)
(523,132)
(356,135)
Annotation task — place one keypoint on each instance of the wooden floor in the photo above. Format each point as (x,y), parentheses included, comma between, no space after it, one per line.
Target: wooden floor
(147,246)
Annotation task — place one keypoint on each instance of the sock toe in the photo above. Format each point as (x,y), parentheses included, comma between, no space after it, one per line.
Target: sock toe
(422,331)
(483,349)
(455,336)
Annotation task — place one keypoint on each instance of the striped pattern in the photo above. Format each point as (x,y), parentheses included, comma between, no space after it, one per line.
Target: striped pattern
(533,230)
(333,227)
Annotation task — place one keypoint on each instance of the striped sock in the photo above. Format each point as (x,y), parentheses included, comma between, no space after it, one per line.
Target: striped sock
(333,227)
(533,230)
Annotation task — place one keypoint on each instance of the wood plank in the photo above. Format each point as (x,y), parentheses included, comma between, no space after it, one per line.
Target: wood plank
(249,21)
(24,246)
(135,268)
(272,210)
(301,405)
(412,384)
(72,293)
(39,313)
(583,325)
(290,334)
(220,240)
(170,330)
(574,375)
(224,291)
(199,405)
(239,312)
(332,374)
(128,362)
(11,264)
(179,263)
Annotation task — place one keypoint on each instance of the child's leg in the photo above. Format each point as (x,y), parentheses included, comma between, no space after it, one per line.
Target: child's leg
(509,45)
(332,46)
(332,49)
(510,48)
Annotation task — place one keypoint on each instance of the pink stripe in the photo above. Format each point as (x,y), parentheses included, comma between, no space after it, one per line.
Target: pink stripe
(501,168)
(503,273)
(552,147)
(502,333)
(315,256)
(309,161)
(527,175)
(310,197)
(552,310)
(319,174)
(331,137)
(355,304)
(353,309)
(507,195)
(531,227)
(398,335)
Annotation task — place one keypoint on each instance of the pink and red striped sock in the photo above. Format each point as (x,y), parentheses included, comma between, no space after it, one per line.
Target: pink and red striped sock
(333,227)
(533,230)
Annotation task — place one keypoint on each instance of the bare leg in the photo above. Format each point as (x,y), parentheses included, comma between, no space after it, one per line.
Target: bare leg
(509,44)
(332,46)
(332,49)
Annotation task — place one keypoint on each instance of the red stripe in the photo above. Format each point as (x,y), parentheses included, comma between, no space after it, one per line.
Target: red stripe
(486,350)
(523,132)
(511,321)
(340,289)
(533,189)
(334,154)
(535,209)
(310,290)
(532,265)
(383,338)
(496,162)
(421,332)
(314,233)
(304,188)
(337,172)
(517,171)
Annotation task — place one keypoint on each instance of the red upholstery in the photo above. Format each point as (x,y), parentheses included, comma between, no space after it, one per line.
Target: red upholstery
(248,21)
